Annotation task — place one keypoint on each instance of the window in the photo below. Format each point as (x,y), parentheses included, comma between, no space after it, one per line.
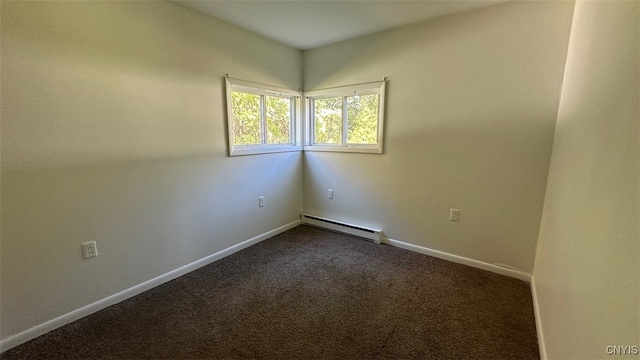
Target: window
(262,118)
(349,119)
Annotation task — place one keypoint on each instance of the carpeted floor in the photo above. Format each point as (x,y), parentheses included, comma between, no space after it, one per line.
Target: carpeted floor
(310,294)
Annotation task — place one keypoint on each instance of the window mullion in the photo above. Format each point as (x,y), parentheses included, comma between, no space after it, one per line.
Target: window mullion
(292,119)
(263,116)
(344,120)
(311,115)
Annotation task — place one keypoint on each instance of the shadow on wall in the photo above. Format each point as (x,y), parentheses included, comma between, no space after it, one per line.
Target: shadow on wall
(488,171)
(113,130)
(467,39)
(113,93)
(148,218)
(470,117)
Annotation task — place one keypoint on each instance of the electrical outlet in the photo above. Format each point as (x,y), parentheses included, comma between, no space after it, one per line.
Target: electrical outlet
(89,249)
(261,201)
(454,214)
(330,194)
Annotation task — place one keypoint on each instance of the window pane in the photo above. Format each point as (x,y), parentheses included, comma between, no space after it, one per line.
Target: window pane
(278,120)
(328,120)
(362,122)
(247,129)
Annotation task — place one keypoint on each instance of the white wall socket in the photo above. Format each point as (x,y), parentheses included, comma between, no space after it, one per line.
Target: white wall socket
(89,249)
(454,214)
(330,194)
(261,201)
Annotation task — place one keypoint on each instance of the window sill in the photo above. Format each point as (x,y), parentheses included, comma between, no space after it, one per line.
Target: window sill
(348,149)
(256,150)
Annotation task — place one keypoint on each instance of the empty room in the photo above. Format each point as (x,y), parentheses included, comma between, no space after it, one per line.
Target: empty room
(319,179)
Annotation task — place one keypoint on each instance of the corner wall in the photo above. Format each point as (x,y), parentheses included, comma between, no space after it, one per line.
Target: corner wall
(587,271)
(472,100)
(113,130)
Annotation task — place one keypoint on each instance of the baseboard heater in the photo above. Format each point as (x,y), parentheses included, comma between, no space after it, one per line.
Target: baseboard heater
(343,227)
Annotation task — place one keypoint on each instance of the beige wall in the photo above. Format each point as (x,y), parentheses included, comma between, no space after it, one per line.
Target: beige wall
(472,101)
(113,130)
(586,272)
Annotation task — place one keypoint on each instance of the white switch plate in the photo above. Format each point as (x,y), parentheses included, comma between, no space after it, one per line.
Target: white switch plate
(89,249)
(261,201)
(330,194)
(454,214)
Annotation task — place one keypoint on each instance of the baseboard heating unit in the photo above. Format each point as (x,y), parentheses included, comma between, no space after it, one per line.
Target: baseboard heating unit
(343,227)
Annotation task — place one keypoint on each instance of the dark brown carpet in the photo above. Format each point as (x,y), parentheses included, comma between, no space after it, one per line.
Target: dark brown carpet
(310,294)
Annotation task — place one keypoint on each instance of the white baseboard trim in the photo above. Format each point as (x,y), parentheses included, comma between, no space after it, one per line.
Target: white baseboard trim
(536,311)
(521,275)
(84,311)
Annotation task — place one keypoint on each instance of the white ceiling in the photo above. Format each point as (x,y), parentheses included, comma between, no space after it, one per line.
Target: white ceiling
(306,24)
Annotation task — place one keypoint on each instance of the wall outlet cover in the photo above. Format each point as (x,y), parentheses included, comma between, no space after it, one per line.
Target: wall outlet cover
(454,214)
(89,249)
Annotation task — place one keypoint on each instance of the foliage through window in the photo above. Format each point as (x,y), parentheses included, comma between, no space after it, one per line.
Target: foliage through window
(265,119)
(261,118)
(328,120)
(346,119)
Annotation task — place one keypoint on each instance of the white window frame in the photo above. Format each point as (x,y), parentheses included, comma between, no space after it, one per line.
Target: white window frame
(264,90)
(344,91)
